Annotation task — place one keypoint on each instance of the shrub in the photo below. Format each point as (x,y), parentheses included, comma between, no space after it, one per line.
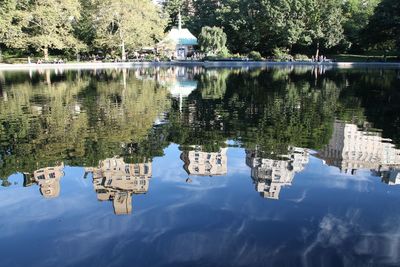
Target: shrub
(212,41)
(149,57)
(254,55)
(224,53)
(300,57)
(281,54)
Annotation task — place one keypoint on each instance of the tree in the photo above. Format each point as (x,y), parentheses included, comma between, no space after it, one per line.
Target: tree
(212,40)
(85,29)
(50,25)
(357,14)
(11,21)
(128,24)
(323,24)
(242,21)
(172,7)
(383,28)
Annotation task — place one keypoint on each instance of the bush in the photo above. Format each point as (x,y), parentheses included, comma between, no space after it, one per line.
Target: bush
(224,53)
(212,41)
(281,54)
(300,57)
(150,57)
(254,55)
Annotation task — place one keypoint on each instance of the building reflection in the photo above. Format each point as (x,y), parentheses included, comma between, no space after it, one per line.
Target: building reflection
(116,181)
(390,176)
(180,81)
(352,148)
(48,180)
(270,175)
(202,163)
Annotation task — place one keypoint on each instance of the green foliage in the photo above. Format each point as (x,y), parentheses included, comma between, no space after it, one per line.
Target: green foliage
(254,55)
(120,27)
(128,24)
(282,55)
(50,25)
(357,14)
(212,41)
(323,26)
(383,29)
(12,19)
(300,57)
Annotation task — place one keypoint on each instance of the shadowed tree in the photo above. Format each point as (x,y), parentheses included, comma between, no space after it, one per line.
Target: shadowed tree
(383,29)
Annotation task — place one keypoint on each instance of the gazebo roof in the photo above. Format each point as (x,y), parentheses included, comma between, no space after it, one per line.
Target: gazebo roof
(182,37)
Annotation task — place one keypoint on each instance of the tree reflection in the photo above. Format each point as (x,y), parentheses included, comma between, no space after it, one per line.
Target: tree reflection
(77,119)
(80,118)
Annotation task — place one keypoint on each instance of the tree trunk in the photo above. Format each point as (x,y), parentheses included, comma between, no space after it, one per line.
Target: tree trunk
(46,53)
(123,54)
(317,52)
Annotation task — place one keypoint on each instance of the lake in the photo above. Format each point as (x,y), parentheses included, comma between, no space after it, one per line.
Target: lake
(188,166)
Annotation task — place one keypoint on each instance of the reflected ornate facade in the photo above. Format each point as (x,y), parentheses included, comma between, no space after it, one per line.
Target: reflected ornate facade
(48,180)
(352,148)
(270,175)
(201,163)
(117,181)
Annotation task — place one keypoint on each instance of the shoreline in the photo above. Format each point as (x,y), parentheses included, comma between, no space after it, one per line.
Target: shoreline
(206,64)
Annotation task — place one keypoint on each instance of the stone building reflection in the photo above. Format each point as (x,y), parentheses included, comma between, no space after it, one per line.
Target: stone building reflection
(352,148)
(48,180)
(202,163)
(116,181)
(270,175)
(390,176)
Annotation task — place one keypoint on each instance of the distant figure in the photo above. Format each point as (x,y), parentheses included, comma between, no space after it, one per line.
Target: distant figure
(313,59)
(29,60)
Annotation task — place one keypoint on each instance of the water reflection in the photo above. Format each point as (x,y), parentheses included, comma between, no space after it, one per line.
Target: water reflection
(48,180)
(116,181)
(270,175)
(390,176)
(202,163)
(126,127)
(352,148)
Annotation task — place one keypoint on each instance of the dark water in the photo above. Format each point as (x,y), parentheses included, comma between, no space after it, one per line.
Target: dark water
(193,167)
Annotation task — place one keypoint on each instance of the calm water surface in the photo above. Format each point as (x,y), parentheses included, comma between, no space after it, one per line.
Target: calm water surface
(200,167)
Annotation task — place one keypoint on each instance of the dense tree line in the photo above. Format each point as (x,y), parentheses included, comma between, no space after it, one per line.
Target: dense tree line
(119,27)
(72,26)
(295,26)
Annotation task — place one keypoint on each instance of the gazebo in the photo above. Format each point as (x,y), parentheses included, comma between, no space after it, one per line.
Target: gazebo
(180,42)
